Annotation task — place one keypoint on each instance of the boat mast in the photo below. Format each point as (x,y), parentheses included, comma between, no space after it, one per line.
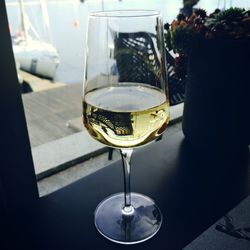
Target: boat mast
(45,16)
(102,5)
(23,25)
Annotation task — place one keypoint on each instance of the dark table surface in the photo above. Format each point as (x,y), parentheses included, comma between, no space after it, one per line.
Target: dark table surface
(192,186)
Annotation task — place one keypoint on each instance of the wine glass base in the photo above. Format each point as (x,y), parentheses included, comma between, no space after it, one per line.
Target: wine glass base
(141,225)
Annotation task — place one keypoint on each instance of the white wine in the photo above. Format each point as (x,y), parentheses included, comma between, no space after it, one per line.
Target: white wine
(125,116)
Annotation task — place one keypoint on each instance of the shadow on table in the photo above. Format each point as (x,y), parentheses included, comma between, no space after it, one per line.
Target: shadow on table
(204,186)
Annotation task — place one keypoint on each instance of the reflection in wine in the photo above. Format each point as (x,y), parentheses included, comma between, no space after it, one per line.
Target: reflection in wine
(125,116)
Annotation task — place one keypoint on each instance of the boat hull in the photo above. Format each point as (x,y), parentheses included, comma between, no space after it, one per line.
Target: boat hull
(37,59)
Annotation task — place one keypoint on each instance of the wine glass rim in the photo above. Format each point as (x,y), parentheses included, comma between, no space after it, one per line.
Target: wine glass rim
(125,13)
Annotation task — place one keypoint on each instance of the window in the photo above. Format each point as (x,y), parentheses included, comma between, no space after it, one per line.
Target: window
(54,32)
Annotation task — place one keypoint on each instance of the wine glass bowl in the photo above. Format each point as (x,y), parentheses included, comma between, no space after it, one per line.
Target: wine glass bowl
(126,105)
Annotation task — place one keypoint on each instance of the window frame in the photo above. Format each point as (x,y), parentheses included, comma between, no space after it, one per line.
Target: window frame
(18,184)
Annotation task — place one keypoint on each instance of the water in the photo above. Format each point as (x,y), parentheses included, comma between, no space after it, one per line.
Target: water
(68,22)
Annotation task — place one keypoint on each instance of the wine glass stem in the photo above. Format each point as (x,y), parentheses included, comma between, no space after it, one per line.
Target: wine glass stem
(126,157)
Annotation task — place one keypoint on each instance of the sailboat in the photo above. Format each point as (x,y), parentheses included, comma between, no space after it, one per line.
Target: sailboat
(33,54)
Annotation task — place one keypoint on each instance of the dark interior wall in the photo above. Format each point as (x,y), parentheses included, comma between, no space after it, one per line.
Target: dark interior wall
(17,177)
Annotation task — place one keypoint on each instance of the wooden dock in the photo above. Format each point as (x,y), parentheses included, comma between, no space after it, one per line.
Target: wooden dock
(47,112)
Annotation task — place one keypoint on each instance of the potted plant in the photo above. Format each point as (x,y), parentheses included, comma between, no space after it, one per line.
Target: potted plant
(214,54)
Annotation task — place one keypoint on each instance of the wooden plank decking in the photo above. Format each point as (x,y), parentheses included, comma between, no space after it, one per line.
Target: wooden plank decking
(47,112)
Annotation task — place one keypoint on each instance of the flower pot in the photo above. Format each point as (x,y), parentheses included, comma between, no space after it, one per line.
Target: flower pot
(217,100)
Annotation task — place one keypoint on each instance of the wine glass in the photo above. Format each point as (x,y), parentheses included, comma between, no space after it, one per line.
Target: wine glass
(126,105)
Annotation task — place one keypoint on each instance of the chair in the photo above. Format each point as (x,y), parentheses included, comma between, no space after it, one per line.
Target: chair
(137,49)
